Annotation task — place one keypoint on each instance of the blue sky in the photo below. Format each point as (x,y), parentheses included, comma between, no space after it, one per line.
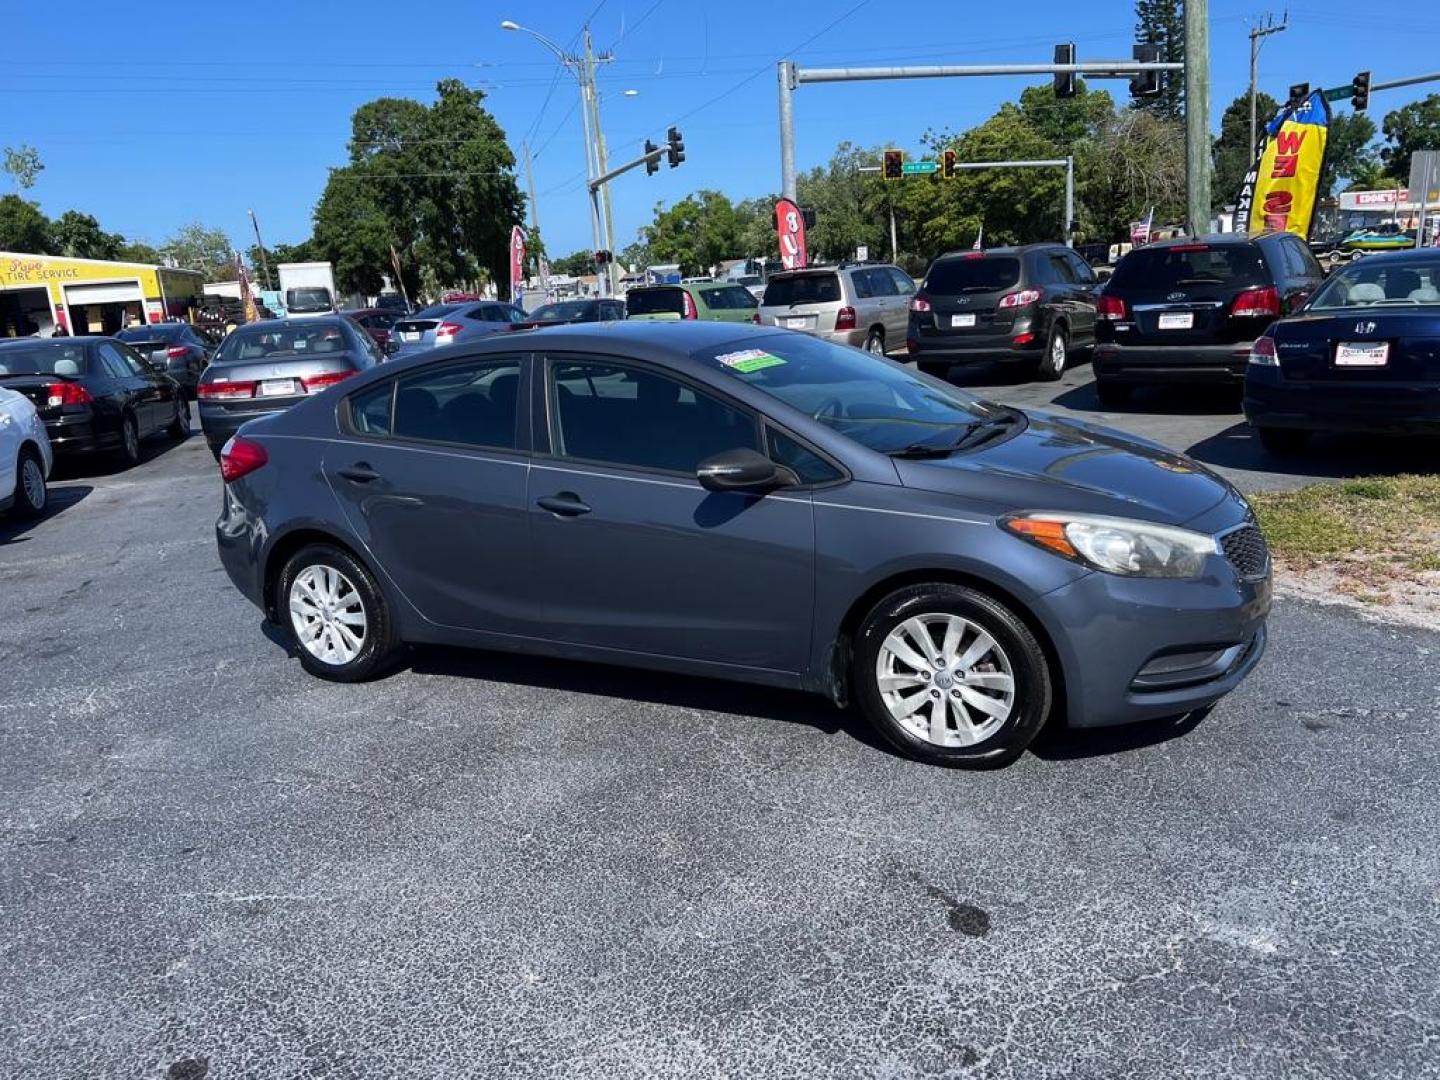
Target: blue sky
(151,115)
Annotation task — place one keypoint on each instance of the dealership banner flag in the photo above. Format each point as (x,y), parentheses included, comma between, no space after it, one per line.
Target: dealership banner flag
(791,227)
(247,298)
(517,262)
(1282,187)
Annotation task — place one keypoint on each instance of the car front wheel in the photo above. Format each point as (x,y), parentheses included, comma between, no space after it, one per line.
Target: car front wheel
(951,676)
(336,615)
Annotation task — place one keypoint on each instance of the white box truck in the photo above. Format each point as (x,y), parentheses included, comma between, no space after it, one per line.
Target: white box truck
(308,289)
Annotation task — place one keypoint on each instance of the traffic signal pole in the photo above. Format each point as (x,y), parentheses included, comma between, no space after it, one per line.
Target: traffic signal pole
(1066,163)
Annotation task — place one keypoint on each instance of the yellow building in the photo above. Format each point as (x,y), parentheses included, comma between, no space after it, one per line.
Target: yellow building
(89,296)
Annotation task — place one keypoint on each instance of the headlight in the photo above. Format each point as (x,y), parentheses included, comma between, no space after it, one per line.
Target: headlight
(1117,545)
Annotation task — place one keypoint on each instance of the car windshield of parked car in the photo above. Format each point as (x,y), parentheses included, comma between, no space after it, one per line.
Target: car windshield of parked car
(971,274)
(567,311)
(1164,268)
(262,342)
(156,332)
(877,404)
(802,289)
(68,359)
(1369,284)
(434,311)
(669,301)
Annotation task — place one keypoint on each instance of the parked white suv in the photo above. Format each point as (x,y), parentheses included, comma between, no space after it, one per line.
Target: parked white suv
(25,456)
(864,304)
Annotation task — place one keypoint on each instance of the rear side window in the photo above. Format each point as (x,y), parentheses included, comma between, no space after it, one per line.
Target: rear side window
(471,404)
(1163,269)
(370,411)
(967,274)
(739,297)
(655,302)
(802,289)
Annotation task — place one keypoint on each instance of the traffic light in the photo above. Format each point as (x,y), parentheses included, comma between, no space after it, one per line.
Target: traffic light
(1360,91)
(676,152)
(1065,80)
(1298,93)
(947,166)
(652,158)
(894,165)
(1146,83)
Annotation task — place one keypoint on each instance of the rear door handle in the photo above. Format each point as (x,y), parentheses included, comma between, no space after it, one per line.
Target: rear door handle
(566,504)
(361,473)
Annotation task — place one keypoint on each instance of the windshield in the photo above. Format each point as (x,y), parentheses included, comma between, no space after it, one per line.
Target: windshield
(655,301)
(1162,269)
(802,289)
(1370,284)
(158,332)
(307,299)
(68,359)
(263,342)
(875,403)
(434,311)
(567,311)
(971,273)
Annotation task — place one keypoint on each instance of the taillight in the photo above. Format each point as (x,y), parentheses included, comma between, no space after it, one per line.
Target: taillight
(320,382)
(1020,299)
(240,457)
(66,393)
(176,352)
(755,318)
(919,303)
(845,319)
(225,390)
(447,330)
(1263,354)
(690,312)
(1253,303)
(1023,339)
(1109,307)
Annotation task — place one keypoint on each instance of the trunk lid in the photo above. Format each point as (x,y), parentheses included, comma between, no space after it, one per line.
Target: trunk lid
(964,293)
(1380,345)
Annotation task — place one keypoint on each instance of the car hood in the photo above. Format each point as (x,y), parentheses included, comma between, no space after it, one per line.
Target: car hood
(1063,464)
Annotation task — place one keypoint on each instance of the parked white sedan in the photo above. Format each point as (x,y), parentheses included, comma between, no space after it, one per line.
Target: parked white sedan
(25,456)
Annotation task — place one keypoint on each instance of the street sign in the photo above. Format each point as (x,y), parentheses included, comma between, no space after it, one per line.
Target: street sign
(912,167)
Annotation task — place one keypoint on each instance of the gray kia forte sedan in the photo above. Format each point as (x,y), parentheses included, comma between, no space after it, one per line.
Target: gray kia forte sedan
(751,504)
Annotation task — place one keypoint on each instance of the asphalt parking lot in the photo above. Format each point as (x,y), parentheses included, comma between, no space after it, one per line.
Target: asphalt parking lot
(484,865)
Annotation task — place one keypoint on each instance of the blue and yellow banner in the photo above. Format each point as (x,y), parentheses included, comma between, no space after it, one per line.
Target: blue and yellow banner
(1280,191)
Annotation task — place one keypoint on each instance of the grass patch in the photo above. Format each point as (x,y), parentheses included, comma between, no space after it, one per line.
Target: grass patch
(1394,518)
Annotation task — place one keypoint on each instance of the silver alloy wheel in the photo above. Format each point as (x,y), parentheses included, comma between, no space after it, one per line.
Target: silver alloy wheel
(875,344)
(1057,352)
(327,614)
(32,479)
(945,679)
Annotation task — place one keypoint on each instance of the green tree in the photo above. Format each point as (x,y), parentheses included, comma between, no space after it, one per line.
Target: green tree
(137,251)
(352,233)
(1233,153)
(1413,127)
(851,207)
(697,232)
(1066,122)
(1162,22)
(576,264)
(23,165)
(23,227)
(198,247)
(80,236)
(1348,150)
(1135,162)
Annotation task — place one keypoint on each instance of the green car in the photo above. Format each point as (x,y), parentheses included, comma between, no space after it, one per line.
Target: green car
(712,301)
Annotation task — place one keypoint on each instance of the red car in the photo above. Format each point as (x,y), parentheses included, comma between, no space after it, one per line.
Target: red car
(376,322)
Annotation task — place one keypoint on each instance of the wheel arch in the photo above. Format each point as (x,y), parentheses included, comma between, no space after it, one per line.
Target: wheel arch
(287,544)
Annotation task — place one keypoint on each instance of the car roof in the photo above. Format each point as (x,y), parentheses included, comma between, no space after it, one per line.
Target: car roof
(1209,240)
(10,343)
(1422,256)
(281,324)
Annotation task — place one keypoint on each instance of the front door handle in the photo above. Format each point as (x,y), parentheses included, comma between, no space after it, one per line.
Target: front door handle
(360,473)
(565,503)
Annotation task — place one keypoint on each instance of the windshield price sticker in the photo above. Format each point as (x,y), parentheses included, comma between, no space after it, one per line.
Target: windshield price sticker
(748,360)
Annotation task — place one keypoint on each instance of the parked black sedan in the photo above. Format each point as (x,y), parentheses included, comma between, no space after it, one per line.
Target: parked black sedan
(94,394)
(176,348)
(1363,355)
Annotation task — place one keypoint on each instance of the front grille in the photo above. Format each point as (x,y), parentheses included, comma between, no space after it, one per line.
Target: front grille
(1247,551)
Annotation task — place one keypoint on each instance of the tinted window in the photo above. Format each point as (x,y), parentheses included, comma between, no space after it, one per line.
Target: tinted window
(903,284)
(261,341)
(739,296)
(1082,270)
(802,289)
(626,416)
(1368,283)
(809,466)
(1061,270)
(68,359)
(567,311)
(471,403)
(715,299)
(116,362)
(370,411)
(1162,269)
(655,301)
(881,283)
(969,273)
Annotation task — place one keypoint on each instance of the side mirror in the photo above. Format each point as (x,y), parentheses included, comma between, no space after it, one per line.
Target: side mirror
(741,469)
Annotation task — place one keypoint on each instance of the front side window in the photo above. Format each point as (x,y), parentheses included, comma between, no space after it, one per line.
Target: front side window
(808,466)
(641,419)
(472,404)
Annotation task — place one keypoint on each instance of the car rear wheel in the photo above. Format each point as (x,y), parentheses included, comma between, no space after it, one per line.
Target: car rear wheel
(951,676)
(1052,364)
(1112,395)
(179,428)
(1283,441)
(875,342)
(129,441)
(336,615)
(31,494)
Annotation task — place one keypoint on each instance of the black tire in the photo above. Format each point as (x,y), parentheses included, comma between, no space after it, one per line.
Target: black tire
(31,494)
(1112,395)
(379,644)
(1016,645)
(179,428)
(1282,442)
(1050,369)
(875,341)
(129,452)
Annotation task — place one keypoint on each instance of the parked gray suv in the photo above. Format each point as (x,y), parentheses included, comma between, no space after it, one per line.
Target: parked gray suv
(864,304)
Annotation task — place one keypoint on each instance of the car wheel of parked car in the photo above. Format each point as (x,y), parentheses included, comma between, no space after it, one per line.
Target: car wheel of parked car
(951,676)
(1112,395)
(129,441)
(1284,441)
(179,428)
(30,492)
(1052,364)
(336,615)
(875,343)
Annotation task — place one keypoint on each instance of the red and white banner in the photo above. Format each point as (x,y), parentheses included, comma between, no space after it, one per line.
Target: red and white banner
(791,227)
(517,263)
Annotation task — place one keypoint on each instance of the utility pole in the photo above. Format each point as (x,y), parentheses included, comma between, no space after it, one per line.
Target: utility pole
(601,164)
(264,262)
(1197,116)
(534,214)
(1258,33)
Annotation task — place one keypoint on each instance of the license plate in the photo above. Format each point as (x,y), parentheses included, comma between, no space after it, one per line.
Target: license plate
(962,320)
(277,388)
(410,335)
(1177,320)
(1348,354)
(795,324)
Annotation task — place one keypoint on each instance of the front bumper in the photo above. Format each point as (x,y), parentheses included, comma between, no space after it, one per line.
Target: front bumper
(1145,364)
(1340,406)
